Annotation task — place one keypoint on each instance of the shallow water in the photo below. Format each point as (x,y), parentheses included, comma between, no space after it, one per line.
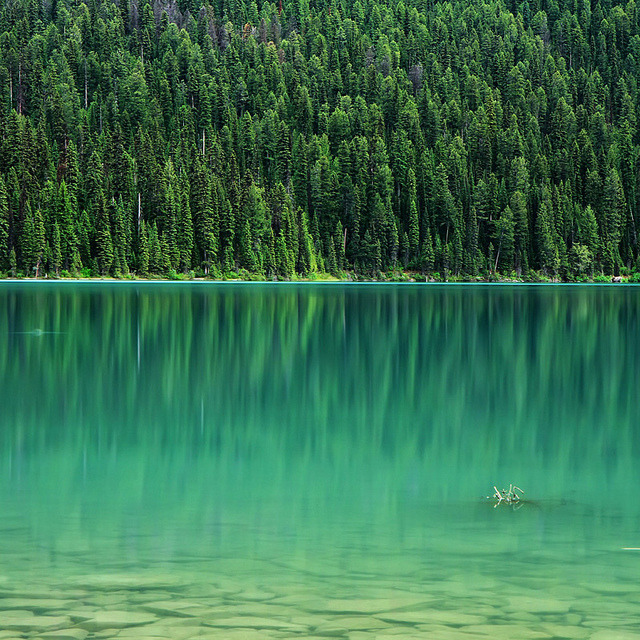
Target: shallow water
(240,461)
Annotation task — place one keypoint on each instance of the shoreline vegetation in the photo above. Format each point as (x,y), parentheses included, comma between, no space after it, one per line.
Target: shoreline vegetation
(390,277)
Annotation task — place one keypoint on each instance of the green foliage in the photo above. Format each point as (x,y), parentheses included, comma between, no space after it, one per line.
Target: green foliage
(4,227)
(471,139)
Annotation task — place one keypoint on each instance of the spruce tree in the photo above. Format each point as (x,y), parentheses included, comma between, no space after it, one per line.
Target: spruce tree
(32,242)
(414,231)
(5,249)
(103,241)
(143,251)
(119,238)
(185,233)
(547,249)
(469,262)
(505,226)
(427,256)
(156,260)
(520,232)
(56,252)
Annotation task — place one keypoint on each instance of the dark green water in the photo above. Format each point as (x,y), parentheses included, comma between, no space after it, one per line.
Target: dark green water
(311,460)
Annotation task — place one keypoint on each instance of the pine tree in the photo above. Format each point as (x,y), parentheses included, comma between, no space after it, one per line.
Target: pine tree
(143,250)
(103,241)
(414,231)
(247,258)
(84,232)
(65,219)
(119,238)
(39,241)
(613,205)
(32,242)
(56,252)
(156,260)
(547,249)
(306,255)
(282,259)
(588,231)
(13,263)
(339,246)
(5,249)
(469,262)
(427,257)
(166,254)
(184,232)
(167,218)
(331,261)
(505,226)
(227,229)
(520,232)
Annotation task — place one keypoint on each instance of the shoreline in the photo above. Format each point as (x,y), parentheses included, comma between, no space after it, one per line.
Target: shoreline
(398,276)
(319,281)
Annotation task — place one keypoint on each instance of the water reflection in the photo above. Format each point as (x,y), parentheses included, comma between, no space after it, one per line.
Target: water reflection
(267,405)
(396,370)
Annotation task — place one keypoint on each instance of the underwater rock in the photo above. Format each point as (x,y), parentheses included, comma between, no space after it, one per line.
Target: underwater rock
(159,631)
(175,608)
(359,623)
(235,634)
(116,620)
(331,629)
(505,632)
(253,622)
(537,605)
(255,595)
(27,622)
(30,604)
(613,588)
(368,605)
(566,631)
(126,581)
(608,634)
(454,618)
(80,615)
(64,634)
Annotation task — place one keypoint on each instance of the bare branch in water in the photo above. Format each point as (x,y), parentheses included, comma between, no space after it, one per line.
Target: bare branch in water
(508,496)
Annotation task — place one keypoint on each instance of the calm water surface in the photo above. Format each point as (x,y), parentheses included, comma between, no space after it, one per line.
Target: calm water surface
(257,461)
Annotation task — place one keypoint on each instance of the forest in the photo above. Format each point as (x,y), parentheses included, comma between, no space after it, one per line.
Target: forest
(462,140)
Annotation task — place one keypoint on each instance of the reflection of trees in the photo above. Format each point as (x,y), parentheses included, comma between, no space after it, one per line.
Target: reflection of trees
(471,375)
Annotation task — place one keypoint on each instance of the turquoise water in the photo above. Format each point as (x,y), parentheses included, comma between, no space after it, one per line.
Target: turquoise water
(257,461)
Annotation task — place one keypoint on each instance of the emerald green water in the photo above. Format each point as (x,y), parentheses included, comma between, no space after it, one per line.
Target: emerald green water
(257,461)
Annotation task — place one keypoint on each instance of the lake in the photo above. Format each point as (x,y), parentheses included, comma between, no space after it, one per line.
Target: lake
(314,460)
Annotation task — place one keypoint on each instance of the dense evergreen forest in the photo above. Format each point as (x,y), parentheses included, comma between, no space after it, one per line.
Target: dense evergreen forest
(466,139)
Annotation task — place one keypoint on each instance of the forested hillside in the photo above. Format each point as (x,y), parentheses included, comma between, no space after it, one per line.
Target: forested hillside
(466,138)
